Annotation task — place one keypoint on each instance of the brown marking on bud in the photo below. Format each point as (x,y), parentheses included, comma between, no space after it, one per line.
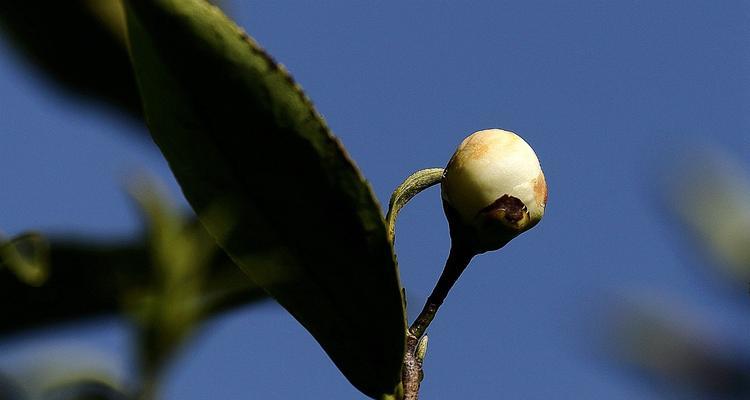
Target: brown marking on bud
(508,210)
(475,148)
(540,190)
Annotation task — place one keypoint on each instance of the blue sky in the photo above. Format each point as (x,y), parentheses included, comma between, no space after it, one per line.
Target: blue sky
(607,93)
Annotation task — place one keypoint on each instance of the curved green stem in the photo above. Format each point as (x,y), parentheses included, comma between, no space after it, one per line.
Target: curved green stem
(411,186)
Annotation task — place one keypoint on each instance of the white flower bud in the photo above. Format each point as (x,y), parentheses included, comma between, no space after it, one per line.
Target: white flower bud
(493,189)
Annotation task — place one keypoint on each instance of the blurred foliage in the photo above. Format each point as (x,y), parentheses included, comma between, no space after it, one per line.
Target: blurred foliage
(26,256)
(712,199)
(237,131)
(708,194)
(10,389)
(85,390)
(168,284)
(60,372)
(80,44)
(172,307)
(678,354)
(88,279)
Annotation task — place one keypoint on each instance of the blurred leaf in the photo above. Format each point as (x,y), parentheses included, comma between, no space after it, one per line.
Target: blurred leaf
(69,372)
(80,44)
(238,131)
(10,389)
(181,255)
(85,390)
(712,197)
(27,256)
(678,353)
(92,279)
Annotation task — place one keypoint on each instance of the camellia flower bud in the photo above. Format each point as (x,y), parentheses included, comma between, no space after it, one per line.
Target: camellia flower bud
(493,189)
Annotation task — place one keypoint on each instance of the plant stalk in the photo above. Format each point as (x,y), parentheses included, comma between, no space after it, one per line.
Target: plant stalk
(458,259)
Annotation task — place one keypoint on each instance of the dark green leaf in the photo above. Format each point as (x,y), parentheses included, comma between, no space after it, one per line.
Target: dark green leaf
(238,132)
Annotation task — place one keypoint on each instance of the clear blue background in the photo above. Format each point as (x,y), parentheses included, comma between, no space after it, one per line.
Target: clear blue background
(605,92)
